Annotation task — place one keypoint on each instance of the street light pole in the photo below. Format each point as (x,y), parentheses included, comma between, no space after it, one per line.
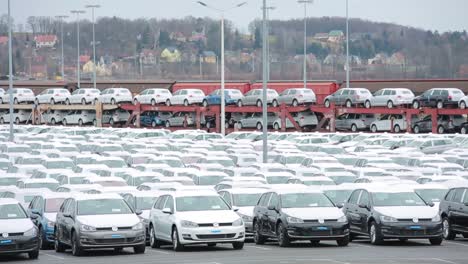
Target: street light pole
(94,43)
(78,12)
(265,75)
(10,71)
(305,2)
(347,43)
(61,18)
(223,81)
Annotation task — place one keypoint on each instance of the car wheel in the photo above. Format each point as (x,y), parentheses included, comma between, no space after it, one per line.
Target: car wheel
(282,234)
(348,104)
(389,104)
(17,121)
(259,126)
(95,122)
(135,101)
(36,102)
(258,238)
(374,129)
(67,102)
(168,124)
(52,122)
(80,122)
(375,235)
(52,101)
(140,249)
(205,103)
(447,229)
(64,122)
(58,246)
(95,101)
(153,102)
(276,126)
(415,105)
(112,101)
(440,105)
(154,242)
(275,103)
(315,243)
(354,128)
(168,102)
(15,101)
(343,242)
(440,130)
(462,105)
(33,254)
(463,130)
(239,125)
(237,245)
(327,103)
(295,103)
(367,104)
(112,122)
(416,129)
(239,103)
(2,121)
(76,249)
(186,102)
(175,240)
(43,240)
(153,124)
(436,241)
(259,103)
(396,129)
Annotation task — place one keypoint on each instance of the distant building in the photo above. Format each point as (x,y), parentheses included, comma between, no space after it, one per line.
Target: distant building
(209,57)
(198,36)
(45,41)
(321,36)
(378,59)
(148,57)
(336,36)
(171,54)
(397,58)
(84,59)
(3,40)
(178,36)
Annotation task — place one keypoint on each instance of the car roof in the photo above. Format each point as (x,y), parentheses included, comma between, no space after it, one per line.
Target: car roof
(245,190)
(4,201)
(85,196)
(188,193)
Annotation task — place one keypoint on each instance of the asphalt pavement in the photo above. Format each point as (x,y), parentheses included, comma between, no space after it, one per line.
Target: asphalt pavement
(358,252)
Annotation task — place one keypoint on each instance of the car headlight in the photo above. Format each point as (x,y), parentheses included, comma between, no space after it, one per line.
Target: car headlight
(436,218)
(138,226)
(188,224)
(247,218)
(238,222)
(342,219)
(294,220)
(31,232)
(385,218)
(87,228)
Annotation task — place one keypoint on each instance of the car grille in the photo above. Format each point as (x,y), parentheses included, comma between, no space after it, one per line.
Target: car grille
(8,247)
(211,224)
(110,228)
(316,221)
(217,236)
(15,234)
(413,232)
(411,220)
(114,240)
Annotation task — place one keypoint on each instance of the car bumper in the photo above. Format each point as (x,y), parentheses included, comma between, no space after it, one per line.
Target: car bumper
(212,235)
(49,234)
(324,231)
(411,230)
(123,99)
(109,239)
(248,229)
(12,245)
(403,102)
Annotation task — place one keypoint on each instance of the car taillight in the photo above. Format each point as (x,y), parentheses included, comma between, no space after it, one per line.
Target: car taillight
(450,97)
(88,95)
(301,95)
(117,94)
(399,97)
(57,95)
(190,96)
(158,95)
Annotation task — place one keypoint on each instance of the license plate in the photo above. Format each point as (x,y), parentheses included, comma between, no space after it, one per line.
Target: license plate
(4,242)
(215,231)
(415,227)
(116,236)
(322,228)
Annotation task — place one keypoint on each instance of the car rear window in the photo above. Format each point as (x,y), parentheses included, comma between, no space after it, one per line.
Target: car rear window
(124,91)
(406,92)
(363,92)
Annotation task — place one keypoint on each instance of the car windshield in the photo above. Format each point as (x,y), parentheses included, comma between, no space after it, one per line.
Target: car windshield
(312,183)
(49,185)
(8,181)
(31,161)
(432,195)
(60,164)
(140,180)
(277,179)
(209,180)
(305,200)
(415,144)
(114,163)
(225,163)
(246,199)
(103,207)
(397,199)
(12,211)
(111,183)
(76,180)
(200,203)
(53,205)
(145,203)
(338,196)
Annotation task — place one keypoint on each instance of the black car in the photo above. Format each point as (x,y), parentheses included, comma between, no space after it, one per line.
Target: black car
(464,128)
(438,97)
(392,213)
(298,214)
(454,212)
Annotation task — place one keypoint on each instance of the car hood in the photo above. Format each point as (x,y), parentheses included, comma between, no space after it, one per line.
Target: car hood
(314,213)
(50,216)
(408,211)
(247,210)
(121,220)
(145,214)
(15,225)
(222,216)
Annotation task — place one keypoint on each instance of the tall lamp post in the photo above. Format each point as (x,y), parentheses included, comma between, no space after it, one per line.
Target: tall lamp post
(265,76)
(78,12)
(347,43)
(94,42)
(10,71)
(61,18)
(270,8)
(223,101)
(305,3)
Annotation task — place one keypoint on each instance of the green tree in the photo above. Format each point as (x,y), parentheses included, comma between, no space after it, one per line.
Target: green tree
(164,39)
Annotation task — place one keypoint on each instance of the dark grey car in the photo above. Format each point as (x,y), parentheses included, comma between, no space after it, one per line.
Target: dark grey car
(354,122)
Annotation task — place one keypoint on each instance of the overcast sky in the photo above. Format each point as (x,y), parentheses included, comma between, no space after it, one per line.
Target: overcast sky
(441,15)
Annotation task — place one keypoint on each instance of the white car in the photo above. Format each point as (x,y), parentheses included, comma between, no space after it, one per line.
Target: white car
(53,116)
(463,102)
(19,116)
(303,119)
(79,117)
(255,97)
(115,96)
(83,96)
(153,96)
(52,96)
(385,123)
(194,217)
(186,97)
(390,97)
(20,95)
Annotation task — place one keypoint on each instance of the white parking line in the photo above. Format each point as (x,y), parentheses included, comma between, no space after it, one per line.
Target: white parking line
(160,251)
(257,247)
(445,261)
(52,256)
(455,243)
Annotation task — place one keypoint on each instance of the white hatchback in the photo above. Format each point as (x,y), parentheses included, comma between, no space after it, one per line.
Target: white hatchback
(52,96)
(83,96)
(153,96)
(186,97)
(115,96)
(20,95)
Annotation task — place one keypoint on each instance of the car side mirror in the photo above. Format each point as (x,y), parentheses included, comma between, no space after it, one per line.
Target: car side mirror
(235,208)
(339,205)
(466,204)
(431,204)
(272,207)
(364,206)
(167,211)
(138,212)
(67,215)
(35,212)
(34,216)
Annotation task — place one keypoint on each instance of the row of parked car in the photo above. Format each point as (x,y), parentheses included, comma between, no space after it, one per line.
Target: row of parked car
(91,188)
(389,97)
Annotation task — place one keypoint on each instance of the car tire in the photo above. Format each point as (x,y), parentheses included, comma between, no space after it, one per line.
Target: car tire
(315,243)
(168,124)
(154,242)
(135,101)
(367,104)
(95,122)
(168,102)
(274,103)
(354,128)
(396,129)
(465,235)
(462,105)
(52,122)
(239,103)
(17,121)
(64,122)
(153,124)
(76,249)
(186,102)
(259,126)
(348,104)
(153,102)
(327,103)
(282,235)
(375,235)
(112,122)
(237,245)
(52,101)
(416,129)
(80,122)
(440,105)
(295,103)
(463,130)
(140,249)
(205,103)
(67,102)
(176,245)
(276,126)
(44,244)
(374,129)
(440,130)
(259,103)
(15,101)
(343,242)
(2,121)
(436,241)
(58,246)
(389,104)
(448,234)
(112,101)
(83,101)
(257,237)
(239,125)
(33,254)
(416,105)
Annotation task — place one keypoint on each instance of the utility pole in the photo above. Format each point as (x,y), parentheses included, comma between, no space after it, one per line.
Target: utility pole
(347,44)
(62,63)
(10,71)
(305,2)
(94,42)
(265,76)
(78,12)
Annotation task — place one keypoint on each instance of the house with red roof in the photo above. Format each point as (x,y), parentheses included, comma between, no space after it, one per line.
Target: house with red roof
(3,40)
(45,41)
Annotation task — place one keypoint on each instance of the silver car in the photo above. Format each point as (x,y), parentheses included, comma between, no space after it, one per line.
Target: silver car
(254,97)
(348,97)
(255,120)
(53,116)
(115,116)
(390,97)
(90,221)
(20,95)
(295,96)
(303,119)
(354,122)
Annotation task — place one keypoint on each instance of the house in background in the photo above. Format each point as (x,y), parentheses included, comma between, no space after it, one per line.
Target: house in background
(148,57)
(171,54)
(378,59)
(45,41)
(323,37)
(209,57)
(178,36)
(3,40)
(336,36)
(397,58)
